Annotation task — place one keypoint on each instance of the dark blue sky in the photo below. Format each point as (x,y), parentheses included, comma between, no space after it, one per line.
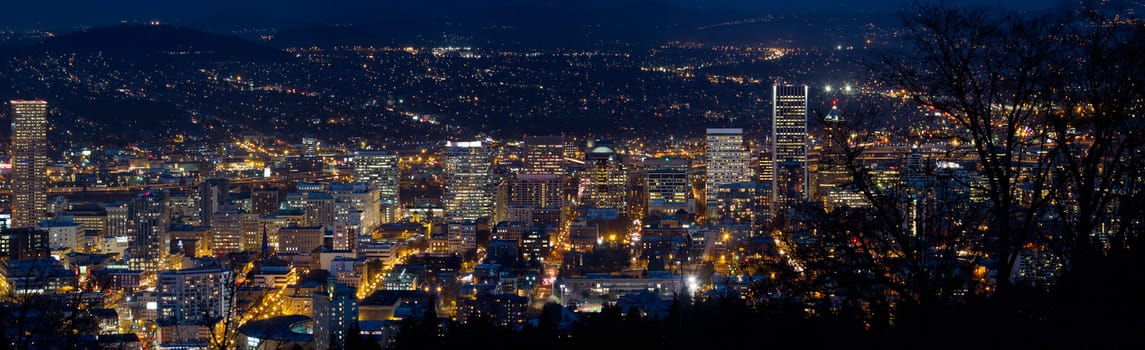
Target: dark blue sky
(62,14)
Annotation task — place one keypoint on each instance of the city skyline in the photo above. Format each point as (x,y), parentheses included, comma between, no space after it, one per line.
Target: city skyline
(608,175)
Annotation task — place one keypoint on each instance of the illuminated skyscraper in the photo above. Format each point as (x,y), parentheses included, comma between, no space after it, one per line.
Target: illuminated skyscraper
(728,162)
(355,209)
(535,198)
(832,176)
(29,162)
(380,169)
(545,155)
(467,167)
(605,180)
(666,186)
(789,146)
(146,214)
(536,191)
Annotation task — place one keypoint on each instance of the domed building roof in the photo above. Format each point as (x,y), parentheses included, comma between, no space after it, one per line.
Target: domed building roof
(602,149)
(284,329)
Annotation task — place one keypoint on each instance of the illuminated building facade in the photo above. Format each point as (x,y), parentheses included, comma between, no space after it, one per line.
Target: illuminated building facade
(728,162)
(148,224)
(29,162)
(604,183)
(666,186)
(356,211)
(381,170)
(226,230)
(462,236)
(335,310)
(23,243)
(194,296)
(300,239)
(832,175)
(789,146)
(467,168)
(544,155)
(535,198)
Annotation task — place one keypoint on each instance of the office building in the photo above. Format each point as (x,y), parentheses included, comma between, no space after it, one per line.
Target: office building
(226,230)
(666,186)
(318,208)
(381,170)
(545,155)
(728,162)
(147,220)
(212,192)
(462,236)
(468,193)
(789,184)
(29,162)
(335,310)
(535,198)
(193,296)
(604,182)
(23,243)
(300,239)
(264,202)
(64,234)
(356,205)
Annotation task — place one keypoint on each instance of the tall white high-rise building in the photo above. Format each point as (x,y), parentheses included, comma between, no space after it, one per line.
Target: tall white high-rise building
(356,210)
(729,162)
(468,193)
(381,170)
(29,162)
(789,185)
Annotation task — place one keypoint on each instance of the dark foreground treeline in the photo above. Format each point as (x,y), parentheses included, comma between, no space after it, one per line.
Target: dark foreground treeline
(1098,307)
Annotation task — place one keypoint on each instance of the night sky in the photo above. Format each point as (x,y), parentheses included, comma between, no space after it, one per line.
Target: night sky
(65,14)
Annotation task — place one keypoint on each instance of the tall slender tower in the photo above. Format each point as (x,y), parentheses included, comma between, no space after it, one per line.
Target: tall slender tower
(468,170)
(789,185)
(729,162)
(380,169)
(605,179)
(147,213)
(29,162)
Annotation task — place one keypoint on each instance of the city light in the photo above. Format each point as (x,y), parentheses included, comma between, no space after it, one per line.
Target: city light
(642,166)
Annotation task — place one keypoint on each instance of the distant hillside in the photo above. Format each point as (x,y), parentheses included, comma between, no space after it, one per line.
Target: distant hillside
(544,25)
(159,41)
